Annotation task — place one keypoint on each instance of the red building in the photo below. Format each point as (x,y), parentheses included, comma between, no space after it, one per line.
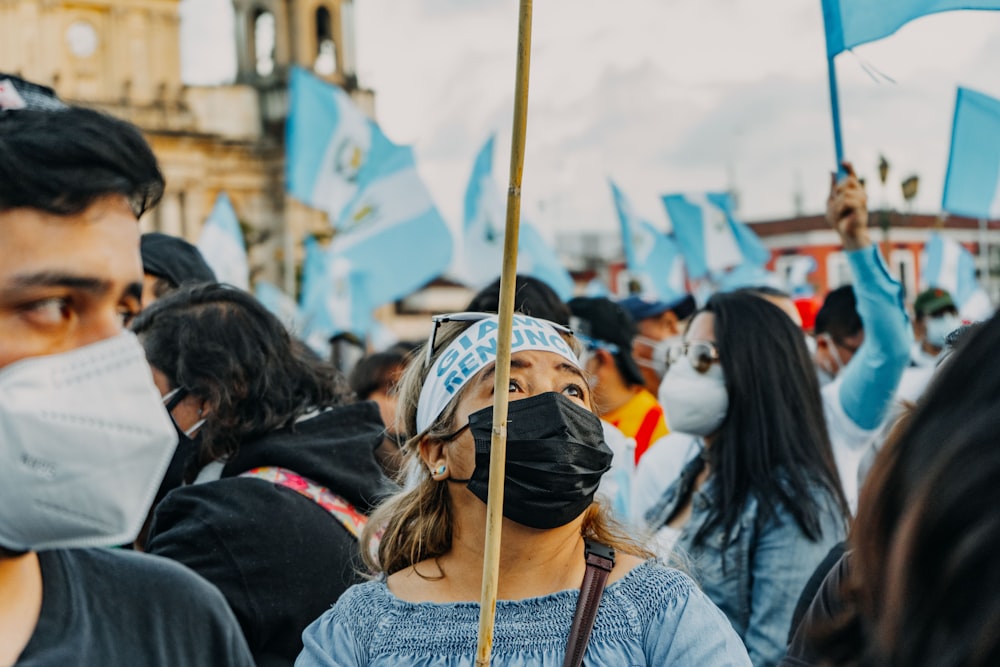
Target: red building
(902,244)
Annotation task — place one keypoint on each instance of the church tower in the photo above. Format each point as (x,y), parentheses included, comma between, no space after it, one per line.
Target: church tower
(273,35)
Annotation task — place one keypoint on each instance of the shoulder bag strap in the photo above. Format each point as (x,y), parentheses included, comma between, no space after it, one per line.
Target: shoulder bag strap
(341,510)
(600,561)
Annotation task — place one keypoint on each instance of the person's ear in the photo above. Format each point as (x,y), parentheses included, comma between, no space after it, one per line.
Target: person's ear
(432,454)
(604,357)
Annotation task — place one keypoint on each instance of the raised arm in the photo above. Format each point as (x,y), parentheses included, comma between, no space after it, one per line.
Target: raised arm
(871,377)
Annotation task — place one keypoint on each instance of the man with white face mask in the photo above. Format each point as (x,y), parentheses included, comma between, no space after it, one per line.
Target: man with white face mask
(85,436)
(936,317)
(658,325)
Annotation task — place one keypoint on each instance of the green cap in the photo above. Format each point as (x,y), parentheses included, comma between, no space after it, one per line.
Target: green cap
(931,301)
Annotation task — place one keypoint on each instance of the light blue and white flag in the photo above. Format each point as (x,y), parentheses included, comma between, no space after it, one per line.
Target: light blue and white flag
(279,304)
(949,266)
(392,232)
(334,299)
(652,257)
(332,146)
(221,244)
(483,234)
(850,23)
(972,184)
(710,239)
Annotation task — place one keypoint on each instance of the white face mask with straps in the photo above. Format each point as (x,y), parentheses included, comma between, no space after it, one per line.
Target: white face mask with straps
(694,403)
(85,441)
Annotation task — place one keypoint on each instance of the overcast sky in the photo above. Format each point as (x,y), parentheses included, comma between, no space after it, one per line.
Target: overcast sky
(659,95)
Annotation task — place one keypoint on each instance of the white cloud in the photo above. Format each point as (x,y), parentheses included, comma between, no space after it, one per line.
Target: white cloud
(661,95)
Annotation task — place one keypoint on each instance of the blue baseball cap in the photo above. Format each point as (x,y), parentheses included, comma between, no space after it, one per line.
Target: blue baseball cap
(641,309)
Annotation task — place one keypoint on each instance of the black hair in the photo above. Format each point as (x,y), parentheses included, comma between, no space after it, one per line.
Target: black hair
(532,297)
(927,533)
(62,161)
(773,443)
(221,345)
(379,371)
(839,315)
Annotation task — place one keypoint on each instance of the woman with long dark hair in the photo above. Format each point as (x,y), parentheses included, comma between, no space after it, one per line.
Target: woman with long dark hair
(280,471)
(762,505)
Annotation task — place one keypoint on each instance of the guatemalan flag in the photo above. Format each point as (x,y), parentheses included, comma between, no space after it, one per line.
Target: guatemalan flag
(949,266)
(652,257)
(389,237)
(972,184)
(221,244)
(483,232)
(710,238)
(850,23)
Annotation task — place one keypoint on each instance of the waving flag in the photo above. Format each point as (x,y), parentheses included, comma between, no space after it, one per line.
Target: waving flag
(709,238)
(337,303)
(972,184)
(651,256)
(390,238)
(850,23)
(483,235)
(332,146)
(221,244)
(949,266)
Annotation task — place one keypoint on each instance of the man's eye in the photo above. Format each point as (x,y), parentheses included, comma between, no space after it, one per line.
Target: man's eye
(513,386)
(48,311)
(127,315)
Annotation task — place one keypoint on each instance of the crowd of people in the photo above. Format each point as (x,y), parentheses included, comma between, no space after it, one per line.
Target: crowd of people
(186,483)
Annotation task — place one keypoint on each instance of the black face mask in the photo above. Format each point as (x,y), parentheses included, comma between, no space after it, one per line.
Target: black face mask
(185,453)
(556,456)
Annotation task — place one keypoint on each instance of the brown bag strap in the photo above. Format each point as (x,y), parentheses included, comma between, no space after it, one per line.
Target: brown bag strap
(600,561)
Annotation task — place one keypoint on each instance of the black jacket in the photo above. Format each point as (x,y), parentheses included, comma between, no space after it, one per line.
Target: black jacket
(279,558)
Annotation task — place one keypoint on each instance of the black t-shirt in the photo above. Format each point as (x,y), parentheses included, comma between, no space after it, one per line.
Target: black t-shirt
(106,608)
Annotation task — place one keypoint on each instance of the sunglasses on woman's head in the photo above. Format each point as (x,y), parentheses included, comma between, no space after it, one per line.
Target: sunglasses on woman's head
(438,320)
(700,353)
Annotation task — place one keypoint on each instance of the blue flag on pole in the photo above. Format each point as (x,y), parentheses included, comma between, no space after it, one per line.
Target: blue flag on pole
(483,235)
(332,146)
(850,23)
(972,184)
(652,257)
(221,244)
(949,266)
(710,239)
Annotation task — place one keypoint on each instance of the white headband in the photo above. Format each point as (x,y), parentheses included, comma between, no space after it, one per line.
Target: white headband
(474,350)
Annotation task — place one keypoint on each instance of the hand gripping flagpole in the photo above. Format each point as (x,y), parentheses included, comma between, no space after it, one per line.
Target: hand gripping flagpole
(498,442)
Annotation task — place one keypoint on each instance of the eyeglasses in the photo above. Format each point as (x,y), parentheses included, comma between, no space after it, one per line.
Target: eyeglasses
(701,353)
(438,320)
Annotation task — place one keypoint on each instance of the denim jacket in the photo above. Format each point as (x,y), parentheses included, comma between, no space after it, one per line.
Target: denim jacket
(755,577)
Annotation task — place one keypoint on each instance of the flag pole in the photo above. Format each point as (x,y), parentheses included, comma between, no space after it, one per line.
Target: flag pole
(498,442)
(838,139)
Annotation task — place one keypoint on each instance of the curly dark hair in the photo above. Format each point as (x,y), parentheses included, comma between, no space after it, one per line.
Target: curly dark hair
(221,345)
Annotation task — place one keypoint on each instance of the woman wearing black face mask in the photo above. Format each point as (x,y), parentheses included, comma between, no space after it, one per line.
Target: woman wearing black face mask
(279,472)
(427,541)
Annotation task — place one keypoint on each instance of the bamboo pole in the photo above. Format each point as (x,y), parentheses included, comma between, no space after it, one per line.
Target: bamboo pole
(498,442)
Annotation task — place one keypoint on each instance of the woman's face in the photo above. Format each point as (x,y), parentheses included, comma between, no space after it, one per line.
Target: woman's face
(187,412)
(531,373)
